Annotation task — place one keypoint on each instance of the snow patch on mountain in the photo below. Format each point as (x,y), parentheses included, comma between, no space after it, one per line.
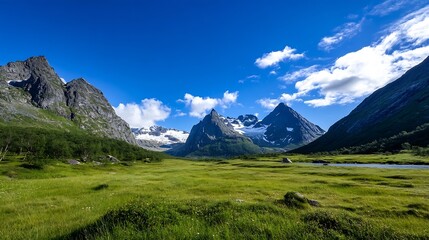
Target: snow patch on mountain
(11,82)
(161,135)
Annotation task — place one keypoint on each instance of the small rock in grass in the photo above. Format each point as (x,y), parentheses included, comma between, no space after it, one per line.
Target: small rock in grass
(297,200)
(73,162)
(286,160)
(313,202)
(112,159)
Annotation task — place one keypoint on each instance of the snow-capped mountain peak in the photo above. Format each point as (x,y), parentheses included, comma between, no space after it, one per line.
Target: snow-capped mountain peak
(159,137)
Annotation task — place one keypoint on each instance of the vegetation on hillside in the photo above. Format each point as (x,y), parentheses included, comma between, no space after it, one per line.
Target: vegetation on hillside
(38,144)
(227,147)
(416,140)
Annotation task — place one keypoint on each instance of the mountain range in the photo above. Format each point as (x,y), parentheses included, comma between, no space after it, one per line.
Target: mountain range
(33,95)
(217,135)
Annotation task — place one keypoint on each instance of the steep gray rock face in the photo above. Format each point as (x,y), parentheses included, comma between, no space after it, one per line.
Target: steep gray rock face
(248,119)
(31,94)
(39,79)
(91,111)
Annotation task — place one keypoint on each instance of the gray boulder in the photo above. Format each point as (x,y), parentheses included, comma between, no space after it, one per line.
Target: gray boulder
(73,162)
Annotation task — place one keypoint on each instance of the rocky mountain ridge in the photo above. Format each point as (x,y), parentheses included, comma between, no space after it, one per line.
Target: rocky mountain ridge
(282,128)
(31,91)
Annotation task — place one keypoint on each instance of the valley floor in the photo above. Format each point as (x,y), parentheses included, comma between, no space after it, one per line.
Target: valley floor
(240,199)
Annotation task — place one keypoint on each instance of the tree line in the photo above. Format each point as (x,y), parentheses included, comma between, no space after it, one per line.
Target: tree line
(39,143)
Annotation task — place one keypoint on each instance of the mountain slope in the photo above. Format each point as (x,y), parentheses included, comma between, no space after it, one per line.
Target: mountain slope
(213,137)
(90,110)
(32,94)
(287,127)
(399,106)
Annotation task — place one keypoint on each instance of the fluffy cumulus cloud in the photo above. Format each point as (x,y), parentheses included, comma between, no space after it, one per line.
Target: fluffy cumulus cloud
(268,103)
(199,106)
(271,103)
(358,74)
(299,74)
(348,30)
(275,57)
(145,114)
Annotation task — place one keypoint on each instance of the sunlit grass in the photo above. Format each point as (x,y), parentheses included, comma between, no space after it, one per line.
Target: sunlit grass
(61,199)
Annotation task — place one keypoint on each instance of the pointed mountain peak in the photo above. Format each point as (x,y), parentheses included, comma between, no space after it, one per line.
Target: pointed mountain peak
(78,81)
(213,115)
(37,59)
(282,106)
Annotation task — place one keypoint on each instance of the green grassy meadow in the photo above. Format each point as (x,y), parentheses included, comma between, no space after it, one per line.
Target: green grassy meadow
(228,199)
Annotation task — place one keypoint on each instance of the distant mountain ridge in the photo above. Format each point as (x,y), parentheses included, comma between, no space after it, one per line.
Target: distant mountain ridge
(217,135)
(158,138)
(402,105)
(32,93)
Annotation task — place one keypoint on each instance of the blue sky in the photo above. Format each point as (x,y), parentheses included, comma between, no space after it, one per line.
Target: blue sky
(169,62)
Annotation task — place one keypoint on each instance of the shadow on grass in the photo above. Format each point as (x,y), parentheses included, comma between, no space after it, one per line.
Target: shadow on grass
(100,187)
(200,219)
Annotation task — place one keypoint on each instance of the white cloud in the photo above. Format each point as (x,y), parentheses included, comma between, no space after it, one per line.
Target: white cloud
(275,57)
(271,103)
(289,98)
(358,74)
(145,114)
(390,6)
(228,98)
(251,78)
(179,113)
(199,106)
(273,72)
(268,103)
(347,30)
(302,73)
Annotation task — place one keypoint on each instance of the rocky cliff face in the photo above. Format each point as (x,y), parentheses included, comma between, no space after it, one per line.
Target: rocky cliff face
(248,119)
(90,110)
(38,79)
(401,105)
(31,92)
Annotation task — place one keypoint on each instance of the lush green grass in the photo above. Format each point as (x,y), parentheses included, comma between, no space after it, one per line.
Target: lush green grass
(405,157)
(211,200)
